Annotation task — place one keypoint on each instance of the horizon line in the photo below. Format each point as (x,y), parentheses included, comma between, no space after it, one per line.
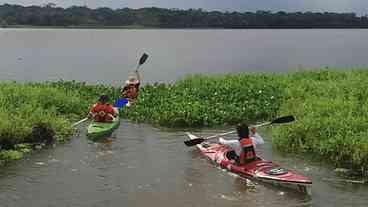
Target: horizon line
(54,5)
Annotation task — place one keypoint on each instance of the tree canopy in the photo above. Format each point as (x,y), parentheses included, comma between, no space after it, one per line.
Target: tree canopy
(51,15)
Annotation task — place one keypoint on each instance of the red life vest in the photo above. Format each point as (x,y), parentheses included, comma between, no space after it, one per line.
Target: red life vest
(248,152)
(102,111)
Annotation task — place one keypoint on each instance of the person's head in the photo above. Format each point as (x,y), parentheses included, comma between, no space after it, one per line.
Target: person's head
(243,130)
(103,99)
(132,80)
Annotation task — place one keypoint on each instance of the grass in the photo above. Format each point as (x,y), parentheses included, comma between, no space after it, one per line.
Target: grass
(330,106)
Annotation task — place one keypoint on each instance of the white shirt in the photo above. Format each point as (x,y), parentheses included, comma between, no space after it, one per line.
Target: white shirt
(235,144)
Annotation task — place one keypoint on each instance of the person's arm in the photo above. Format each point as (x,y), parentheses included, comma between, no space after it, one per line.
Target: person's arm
(138,76)
(91,115)
(116,111)
(92,111)
(231,143)
(123,90)
(113,111)
(256,138)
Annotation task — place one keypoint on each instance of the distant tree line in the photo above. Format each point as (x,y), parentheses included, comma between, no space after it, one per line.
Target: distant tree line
(50,15)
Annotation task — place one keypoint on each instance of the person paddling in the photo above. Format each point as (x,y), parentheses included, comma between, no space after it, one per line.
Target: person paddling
(244,147)
(102,111)
(131,88)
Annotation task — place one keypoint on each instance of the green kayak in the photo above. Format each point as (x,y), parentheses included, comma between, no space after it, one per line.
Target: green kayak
(98,130)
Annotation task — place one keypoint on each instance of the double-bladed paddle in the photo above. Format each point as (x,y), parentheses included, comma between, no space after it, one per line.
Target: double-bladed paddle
(280,120)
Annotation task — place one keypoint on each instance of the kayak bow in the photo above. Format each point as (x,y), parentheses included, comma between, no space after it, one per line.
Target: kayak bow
(258,170)
(96,130)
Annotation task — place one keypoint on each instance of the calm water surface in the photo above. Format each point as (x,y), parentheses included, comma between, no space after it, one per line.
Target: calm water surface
(146,166)
(108,56)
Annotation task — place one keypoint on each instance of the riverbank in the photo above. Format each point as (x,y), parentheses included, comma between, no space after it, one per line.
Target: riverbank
(77,27)
(143,27)
(330,108)
(56,104)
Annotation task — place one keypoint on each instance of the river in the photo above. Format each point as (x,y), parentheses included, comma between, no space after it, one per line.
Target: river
(108,56)
(142,165)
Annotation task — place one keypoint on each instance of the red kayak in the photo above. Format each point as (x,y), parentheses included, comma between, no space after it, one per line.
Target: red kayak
(259,170)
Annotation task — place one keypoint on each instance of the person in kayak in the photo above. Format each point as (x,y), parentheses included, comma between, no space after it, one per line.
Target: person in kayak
(102,111)
(131,87)
(244,147)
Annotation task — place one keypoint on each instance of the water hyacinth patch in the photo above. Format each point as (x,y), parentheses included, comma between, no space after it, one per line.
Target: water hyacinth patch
(331,108)
(200,100)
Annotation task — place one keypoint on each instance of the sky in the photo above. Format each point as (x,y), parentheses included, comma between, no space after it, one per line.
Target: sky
(357,6)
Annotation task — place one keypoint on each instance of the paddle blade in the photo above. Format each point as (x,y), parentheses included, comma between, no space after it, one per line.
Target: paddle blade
(143,59)
(121,102)
(194,142)
(284,119)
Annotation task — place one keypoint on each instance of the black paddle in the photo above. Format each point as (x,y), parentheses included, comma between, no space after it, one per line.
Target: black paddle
(280,120)
(142,60)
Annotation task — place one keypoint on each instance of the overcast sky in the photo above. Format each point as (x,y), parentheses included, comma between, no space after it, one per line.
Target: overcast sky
(357,6)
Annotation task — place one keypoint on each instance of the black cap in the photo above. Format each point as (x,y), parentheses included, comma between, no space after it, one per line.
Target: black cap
(103,98)
(243,130)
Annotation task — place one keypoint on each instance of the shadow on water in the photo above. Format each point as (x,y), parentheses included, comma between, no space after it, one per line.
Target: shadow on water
(143,165)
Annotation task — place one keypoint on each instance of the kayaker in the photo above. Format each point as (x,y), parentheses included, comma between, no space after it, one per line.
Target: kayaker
(102,111)
(244,147)
(131,88)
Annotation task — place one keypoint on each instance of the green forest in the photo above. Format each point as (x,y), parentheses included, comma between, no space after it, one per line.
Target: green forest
(50,15)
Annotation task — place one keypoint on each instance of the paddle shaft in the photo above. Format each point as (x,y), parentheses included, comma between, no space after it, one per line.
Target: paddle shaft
(232,132)
(138,66)
(141,61)
(285,119)
(79,122)
(218,135)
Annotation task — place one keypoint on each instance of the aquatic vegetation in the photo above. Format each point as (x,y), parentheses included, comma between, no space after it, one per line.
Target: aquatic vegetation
(201,100)
(8,155)
(22,105)
(331,108)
